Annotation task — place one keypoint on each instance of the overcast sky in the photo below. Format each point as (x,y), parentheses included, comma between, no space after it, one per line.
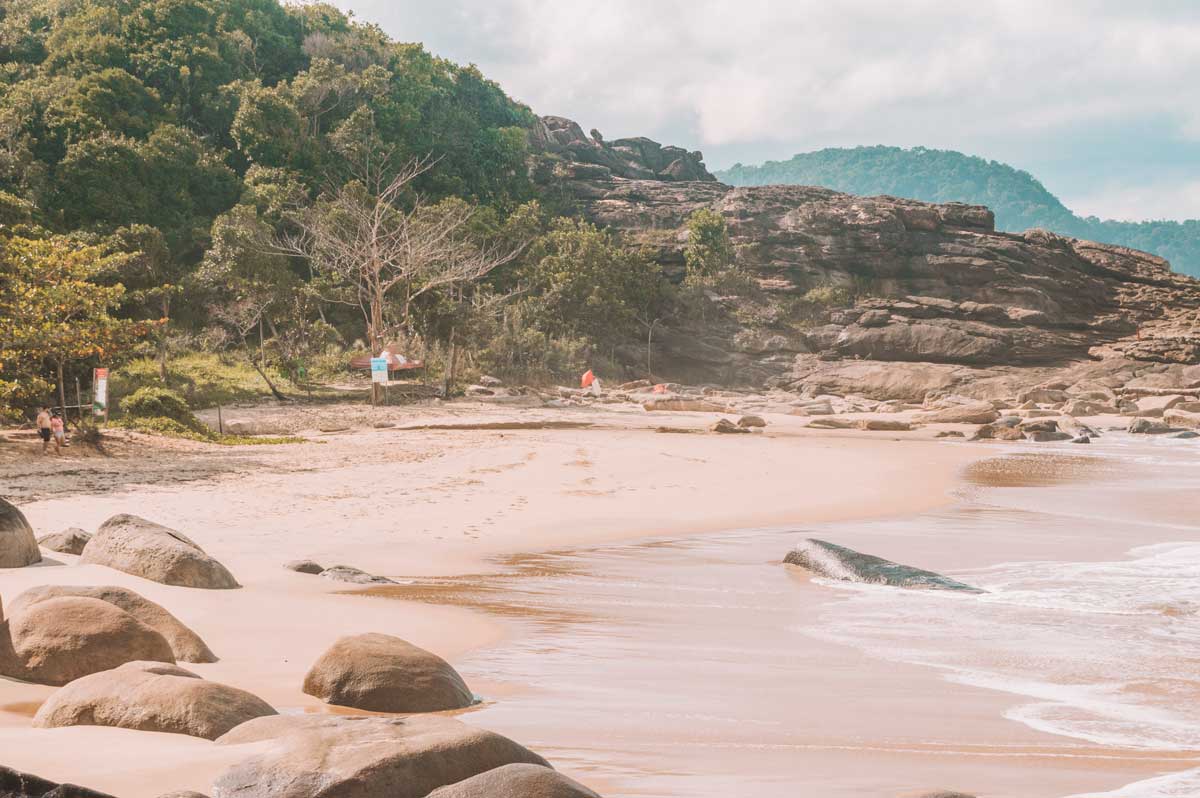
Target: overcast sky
(1099,100)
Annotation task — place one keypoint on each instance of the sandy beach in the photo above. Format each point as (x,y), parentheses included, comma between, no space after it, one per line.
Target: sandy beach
(465,515)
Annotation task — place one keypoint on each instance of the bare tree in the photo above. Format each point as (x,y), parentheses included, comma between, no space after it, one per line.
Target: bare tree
(381,244)
(243,316)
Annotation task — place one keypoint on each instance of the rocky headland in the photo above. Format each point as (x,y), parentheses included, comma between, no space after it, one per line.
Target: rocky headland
(880,297)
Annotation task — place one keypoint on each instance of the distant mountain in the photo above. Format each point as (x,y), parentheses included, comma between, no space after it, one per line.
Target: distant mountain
(1017,198)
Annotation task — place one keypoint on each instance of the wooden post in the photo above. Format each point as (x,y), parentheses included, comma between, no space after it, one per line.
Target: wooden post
(78,401)
(220,422)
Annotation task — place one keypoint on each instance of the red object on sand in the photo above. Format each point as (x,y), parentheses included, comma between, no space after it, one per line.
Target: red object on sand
(587,379)
(660,388)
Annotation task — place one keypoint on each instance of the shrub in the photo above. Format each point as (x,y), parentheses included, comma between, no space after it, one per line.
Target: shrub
(155,402)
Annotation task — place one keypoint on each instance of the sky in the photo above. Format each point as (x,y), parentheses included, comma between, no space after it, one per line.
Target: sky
(1099,100)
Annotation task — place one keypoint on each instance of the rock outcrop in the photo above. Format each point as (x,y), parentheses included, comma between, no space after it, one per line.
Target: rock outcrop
(152,551)
(837,562)
(15,784)
(564,142)
(883,297)
(151,696)
(516,781)
(18,547)
(318,756)
(68,541)
(386,674)
(185,644)
(58,640)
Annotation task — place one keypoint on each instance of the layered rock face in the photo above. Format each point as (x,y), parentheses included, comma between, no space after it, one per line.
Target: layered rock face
(846,285)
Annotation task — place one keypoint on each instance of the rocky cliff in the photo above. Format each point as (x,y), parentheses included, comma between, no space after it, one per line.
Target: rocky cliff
(884,297)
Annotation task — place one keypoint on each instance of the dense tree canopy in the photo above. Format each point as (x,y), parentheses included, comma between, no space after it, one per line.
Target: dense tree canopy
(1018,199)
(187,133)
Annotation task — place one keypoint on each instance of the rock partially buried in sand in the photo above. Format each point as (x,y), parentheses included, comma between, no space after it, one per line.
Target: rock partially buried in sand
(152,551)
(386,674)
(516,781)
(58,640)
(324,756)
(304,566)
(883,425)
(837,562)
(18,547)
(750,422)
(185,644)
(355,576)
(15,784)
(974,413)
(684,405)
(69,541)
(151,696)
(724,426)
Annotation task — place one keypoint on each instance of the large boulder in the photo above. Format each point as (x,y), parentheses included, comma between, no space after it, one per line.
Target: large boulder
(58,640)
(970,413)
(516,781)
(18,546)
(185,644)
(837,562)
(15,784)
(68,541)
(386,674)
(322,756)
(152,551)
(151,696)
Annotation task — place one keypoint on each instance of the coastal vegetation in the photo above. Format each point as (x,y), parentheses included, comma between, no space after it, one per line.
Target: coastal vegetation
(243,181)
(1018,199)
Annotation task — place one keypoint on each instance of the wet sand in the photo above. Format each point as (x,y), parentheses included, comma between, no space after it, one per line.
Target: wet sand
(414,503)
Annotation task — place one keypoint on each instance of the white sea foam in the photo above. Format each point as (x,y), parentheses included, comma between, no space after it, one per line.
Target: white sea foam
(1185,784)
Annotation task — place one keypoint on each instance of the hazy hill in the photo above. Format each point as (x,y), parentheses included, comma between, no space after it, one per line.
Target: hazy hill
(1018,199)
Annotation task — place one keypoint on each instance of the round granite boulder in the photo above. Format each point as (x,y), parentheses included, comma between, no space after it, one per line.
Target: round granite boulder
(386,674)
(152,551)
(18,546)
(151,696)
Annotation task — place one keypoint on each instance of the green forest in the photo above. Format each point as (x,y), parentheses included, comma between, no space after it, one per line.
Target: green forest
(1019,201)
(190,187)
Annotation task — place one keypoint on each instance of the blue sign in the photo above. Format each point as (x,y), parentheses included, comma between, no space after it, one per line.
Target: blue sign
(379,371)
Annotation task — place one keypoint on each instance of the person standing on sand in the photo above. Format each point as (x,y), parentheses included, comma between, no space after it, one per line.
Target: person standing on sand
(43,427)
(58,431)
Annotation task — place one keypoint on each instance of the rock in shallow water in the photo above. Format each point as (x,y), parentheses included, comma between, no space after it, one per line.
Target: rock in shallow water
(354,576)
(837,562)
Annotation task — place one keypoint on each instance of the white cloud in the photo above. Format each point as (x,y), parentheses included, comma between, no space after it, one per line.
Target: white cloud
(755,78)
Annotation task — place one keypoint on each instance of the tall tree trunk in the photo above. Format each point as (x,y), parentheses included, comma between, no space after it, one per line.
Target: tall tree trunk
(162,340)
(62,389)
(452,365)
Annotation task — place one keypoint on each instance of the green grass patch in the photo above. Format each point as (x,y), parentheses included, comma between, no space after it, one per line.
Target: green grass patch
(203,379)
(172,428)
